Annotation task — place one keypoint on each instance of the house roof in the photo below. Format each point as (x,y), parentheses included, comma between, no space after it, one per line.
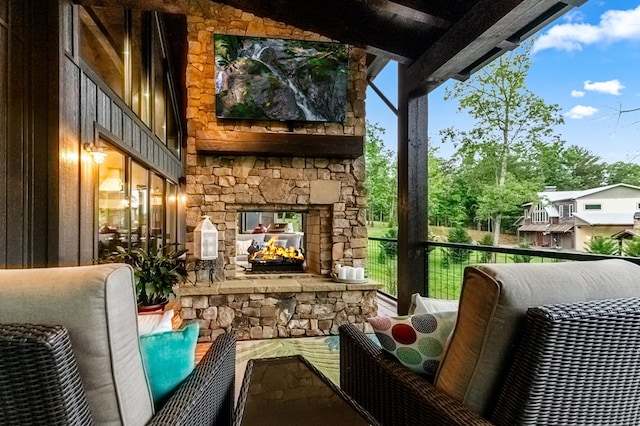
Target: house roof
(554,196)
(547,228)
(436,40)
(601,218)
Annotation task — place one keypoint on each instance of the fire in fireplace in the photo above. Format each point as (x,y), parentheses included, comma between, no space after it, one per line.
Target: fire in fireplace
(275,258)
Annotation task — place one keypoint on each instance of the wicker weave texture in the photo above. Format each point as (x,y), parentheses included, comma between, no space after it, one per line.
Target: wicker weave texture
(39,379)
(206,396)
(392,393)
(577,364)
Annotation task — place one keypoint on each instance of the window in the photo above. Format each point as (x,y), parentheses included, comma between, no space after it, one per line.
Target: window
(126,50)
(526,214)
(102,36)
(561,210)
(593,206)
(570,210)
(136,207)
(540,215)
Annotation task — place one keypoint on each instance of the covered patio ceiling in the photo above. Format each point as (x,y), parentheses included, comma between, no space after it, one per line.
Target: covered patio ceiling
(436,39)
(433,41)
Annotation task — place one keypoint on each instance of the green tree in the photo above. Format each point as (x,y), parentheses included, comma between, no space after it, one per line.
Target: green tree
(581,168)
(486,240)
(458,235)
(621,172)
(522,258)
(381,177)
(509,121)
(599,244)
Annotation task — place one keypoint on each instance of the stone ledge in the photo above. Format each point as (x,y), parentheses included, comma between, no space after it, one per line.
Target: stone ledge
(273,285)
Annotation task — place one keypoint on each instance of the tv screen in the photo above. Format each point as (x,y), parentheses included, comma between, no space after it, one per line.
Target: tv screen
(278,79)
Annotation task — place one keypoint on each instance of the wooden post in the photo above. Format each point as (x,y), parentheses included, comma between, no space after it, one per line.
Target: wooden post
(412,192)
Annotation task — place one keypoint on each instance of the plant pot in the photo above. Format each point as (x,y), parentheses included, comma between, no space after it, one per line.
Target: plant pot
(151,309)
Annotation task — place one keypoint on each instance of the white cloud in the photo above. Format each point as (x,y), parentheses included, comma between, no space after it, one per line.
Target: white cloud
(577,94)
(611,87)
(614,25)
(579,112)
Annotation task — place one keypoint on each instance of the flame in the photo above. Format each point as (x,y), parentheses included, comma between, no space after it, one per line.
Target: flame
(273,251)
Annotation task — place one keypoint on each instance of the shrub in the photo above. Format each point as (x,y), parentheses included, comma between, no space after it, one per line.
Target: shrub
(486,256)
(389,249)
(599,244)
(459,235)
(631,247)
(522,258)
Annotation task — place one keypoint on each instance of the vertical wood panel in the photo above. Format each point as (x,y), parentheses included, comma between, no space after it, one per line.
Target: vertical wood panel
(4,72)
(88,99)
(135,137)
(104,110)
(116,120)
(15,151)
(69,173)
(38,141)
(127,130)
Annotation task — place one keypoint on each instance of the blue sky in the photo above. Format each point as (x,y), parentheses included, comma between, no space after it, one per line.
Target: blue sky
(588,62)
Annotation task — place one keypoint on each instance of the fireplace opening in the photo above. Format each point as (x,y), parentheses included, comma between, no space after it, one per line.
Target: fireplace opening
(270,242)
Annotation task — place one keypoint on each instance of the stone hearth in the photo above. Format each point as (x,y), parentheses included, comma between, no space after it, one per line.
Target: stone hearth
(278,307)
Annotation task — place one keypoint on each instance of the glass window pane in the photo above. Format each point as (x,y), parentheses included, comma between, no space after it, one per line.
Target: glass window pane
(159,108)
(156,233)
(112,204)
(139,206)
(102,36)
(173,138)
(171,211)
(140,65)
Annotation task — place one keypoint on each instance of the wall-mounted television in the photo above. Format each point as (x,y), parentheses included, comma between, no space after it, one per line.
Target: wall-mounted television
(278,79)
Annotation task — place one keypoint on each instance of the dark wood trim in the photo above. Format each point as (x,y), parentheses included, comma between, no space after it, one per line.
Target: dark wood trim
(412,192)
(287,144)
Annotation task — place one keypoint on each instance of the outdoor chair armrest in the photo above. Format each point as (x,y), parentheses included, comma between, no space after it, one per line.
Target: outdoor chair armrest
(206,396)
(392,393)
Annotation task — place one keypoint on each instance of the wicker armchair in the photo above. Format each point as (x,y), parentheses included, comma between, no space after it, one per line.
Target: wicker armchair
(85,366)
(40,383)
(562,363)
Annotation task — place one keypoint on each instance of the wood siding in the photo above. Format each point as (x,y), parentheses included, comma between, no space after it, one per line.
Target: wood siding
(49,107)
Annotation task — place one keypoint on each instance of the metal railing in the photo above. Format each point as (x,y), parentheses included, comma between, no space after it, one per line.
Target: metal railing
(446,263)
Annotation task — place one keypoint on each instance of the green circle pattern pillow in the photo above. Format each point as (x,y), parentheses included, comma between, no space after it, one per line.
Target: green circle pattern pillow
(417,341)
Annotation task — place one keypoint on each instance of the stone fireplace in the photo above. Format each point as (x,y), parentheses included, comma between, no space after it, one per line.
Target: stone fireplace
(277,167)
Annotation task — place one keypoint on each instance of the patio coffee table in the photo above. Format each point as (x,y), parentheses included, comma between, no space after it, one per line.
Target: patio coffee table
(291,391)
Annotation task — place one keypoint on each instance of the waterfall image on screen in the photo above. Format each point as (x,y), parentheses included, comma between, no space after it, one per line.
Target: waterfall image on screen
(278,79)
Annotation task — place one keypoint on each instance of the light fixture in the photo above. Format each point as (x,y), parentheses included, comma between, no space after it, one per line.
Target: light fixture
(96,152)
(112,182)
(205,240)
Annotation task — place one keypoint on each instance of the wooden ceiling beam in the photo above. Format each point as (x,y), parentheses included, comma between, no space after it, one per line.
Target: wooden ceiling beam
(353,22)
(165,6)
(473,41)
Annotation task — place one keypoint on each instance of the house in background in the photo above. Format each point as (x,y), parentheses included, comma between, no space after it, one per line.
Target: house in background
(568,219)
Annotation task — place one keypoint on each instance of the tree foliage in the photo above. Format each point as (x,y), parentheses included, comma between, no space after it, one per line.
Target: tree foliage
(509,122)
(381,178)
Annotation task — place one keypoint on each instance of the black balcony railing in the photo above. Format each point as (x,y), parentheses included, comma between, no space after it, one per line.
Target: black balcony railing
(446,263)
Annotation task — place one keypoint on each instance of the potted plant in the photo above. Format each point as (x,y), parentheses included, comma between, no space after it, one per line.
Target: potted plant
(156,273)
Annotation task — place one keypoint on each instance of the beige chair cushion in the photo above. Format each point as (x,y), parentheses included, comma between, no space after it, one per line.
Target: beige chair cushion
(97,305)
(493,303)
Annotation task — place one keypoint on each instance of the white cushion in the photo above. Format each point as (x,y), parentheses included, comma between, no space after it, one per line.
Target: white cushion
(97,305)
(155,323)
(428,305)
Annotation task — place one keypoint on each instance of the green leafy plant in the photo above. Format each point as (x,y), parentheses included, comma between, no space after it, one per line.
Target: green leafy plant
(486,256)
(522,258)
(599,244)
(156,273)
(631,247)
(459,235)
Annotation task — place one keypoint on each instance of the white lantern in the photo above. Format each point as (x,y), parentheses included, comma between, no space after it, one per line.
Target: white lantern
(205,240)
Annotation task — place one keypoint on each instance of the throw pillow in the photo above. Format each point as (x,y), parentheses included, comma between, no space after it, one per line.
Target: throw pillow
(155,323)
(417,341)
(168,359)
(427,305)
(242,247)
